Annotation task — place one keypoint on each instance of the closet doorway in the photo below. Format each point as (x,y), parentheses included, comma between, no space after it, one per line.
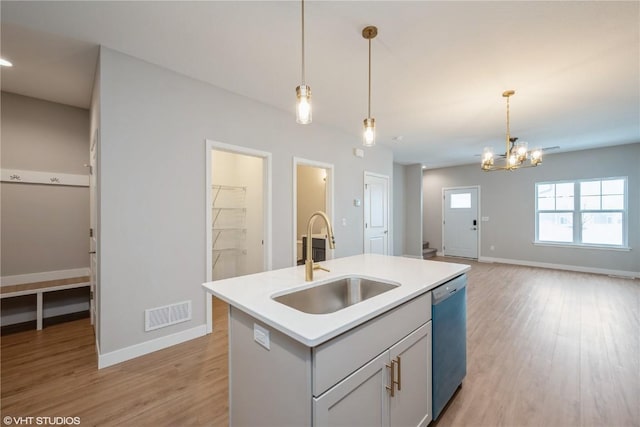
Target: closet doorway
(238,224)
(312,191)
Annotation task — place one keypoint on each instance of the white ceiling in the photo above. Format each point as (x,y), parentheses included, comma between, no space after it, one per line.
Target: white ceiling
(439,68)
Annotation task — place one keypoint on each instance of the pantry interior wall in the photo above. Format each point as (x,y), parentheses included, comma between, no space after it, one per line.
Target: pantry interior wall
(238,182)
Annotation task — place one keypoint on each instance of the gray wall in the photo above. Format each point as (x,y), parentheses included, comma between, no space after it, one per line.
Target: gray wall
(152,173)
(507,198)
(407,210)
(398,209)
(44,227)
(413,210)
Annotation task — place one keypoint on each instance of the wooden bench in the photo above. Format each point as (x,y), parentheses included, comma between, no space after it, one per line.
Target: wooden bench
(40,288)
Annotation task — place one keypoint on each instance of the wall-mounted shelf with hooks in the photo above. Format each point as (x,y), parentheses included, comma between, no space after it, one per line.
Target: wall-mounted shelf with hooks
(48,178)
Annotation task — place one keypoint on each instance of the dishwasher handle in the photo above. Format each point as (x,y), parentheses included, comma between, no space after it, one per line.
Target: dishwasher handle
(448,289)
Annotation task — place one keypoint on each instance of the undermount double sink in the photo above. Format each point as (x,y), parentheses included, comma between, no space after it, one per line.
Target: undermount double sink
(329,297)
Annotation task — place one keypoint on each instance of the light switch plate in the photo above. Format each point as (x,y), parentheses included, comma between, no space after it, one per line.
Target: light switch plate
(485,218)
(261,336)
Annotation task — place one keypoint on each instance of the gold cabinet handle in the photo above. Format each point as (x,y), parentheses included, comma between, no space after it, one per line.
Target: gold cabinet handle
(393,376)
(399,374)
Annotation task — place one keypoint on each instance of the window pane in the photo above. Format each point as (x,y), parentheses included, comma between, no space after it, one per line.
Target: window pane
(564,203)
(461,201)
(546,190)
(564,196)
(564,189)
(546,204)
(590,188)
(613,186)
(590,202)
(555,227)
(602,228)
(613,202)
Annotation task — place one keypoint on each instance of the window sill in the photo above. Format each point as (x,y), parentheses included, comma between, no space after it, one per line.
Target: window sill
(578,246)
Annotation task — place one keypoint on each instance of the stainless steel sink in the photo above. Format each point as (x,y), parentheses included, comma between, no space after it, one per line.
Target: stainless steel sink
(335,295)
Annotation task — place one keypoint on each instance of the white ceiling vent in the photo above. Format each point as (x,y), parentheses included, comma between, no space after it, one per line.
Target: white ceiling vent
(160,317)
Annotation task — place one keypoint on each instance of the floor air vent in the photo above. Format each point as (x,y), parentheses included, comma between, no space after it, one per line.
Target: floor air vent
(160,317)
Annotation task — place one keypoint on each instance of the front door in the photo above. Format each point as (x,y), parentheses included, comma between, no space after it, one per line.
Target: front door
(376,213)
(460,217)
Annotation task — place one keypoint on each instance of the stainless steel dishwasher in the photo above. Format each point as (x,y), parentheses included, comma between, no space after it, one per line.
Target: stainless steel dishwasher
(449,348)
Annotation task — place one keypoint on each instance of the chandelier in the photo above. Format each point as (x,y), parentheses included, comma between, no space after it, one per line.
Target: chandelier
(516,153)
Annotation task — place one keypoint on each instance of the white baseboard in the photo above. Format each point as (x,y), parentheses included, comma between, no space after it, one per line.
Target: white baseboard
(137,350)
(581,269)
(43,276)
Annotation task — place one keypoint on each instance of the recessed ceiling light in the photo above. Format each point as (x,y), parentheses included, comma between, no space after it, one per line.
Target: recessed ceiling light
(5,63)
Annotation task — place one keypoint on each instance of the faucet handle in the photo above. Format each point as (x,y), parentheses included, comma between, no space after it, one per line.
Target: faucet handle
(319,267)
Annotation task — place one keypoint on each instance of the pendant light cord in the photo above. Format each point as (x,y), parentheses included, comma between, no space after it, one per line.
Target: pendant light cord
(369,105)
(303,82)
(508,151)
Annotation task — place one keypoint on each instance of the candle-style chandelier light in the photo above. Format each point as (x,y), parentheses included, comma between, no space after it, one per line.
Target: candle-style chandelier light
(516,153)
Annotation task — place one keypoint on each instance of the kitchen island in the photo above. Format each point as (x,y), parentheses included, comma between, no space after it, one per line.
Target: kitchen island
(365,364)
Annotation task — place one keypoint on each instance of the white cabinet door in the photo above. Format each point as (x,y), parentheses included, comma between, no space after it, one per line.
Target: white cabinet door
(411,404)
(359,400)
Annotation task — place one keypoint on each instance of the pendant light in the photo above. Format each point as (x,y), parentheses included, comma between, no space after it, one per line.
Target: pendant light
(369,137)
(303,92)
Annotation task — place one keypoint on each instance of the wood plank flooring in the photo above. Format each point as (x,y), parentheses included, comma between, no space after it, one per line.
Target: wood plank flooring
(54,372)
(545,348)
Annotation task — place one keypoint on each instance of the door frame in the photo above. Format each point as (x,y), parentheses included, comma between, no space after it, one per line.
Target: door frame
(389,210)
(329,196)
(211,145)
(94,238)
(478,211)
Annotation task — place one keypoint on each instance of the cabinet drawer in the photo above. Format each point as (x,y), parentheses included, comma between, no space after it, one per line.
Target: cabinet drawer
(339,357)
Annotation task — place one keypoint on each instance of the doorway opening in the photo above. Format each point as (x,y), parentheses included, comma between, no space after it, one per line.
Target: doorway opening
(238,213)
(312,191)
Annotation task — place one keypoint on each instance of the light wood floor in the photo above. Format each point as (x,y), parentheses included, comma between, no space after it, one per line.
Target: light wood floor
(545,348)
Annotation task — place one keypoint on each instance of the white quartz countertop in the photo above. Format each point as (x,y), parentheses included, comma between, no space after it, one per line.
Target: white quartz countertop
(253,293)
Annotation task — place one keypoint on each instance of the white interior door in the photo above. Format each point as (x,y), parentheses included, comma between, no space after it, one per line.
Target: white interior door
(376,213)
(93,231)
(460,222)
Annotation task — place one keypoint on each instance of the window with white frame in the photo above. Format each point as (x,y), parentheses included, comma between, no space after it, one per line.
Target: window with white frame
(582,212)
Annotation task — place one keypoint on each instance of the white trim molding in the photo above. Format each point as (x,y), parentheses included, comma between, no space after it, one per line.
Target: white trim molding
(41,177)
(43,276)
(137,350)
(581,269)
